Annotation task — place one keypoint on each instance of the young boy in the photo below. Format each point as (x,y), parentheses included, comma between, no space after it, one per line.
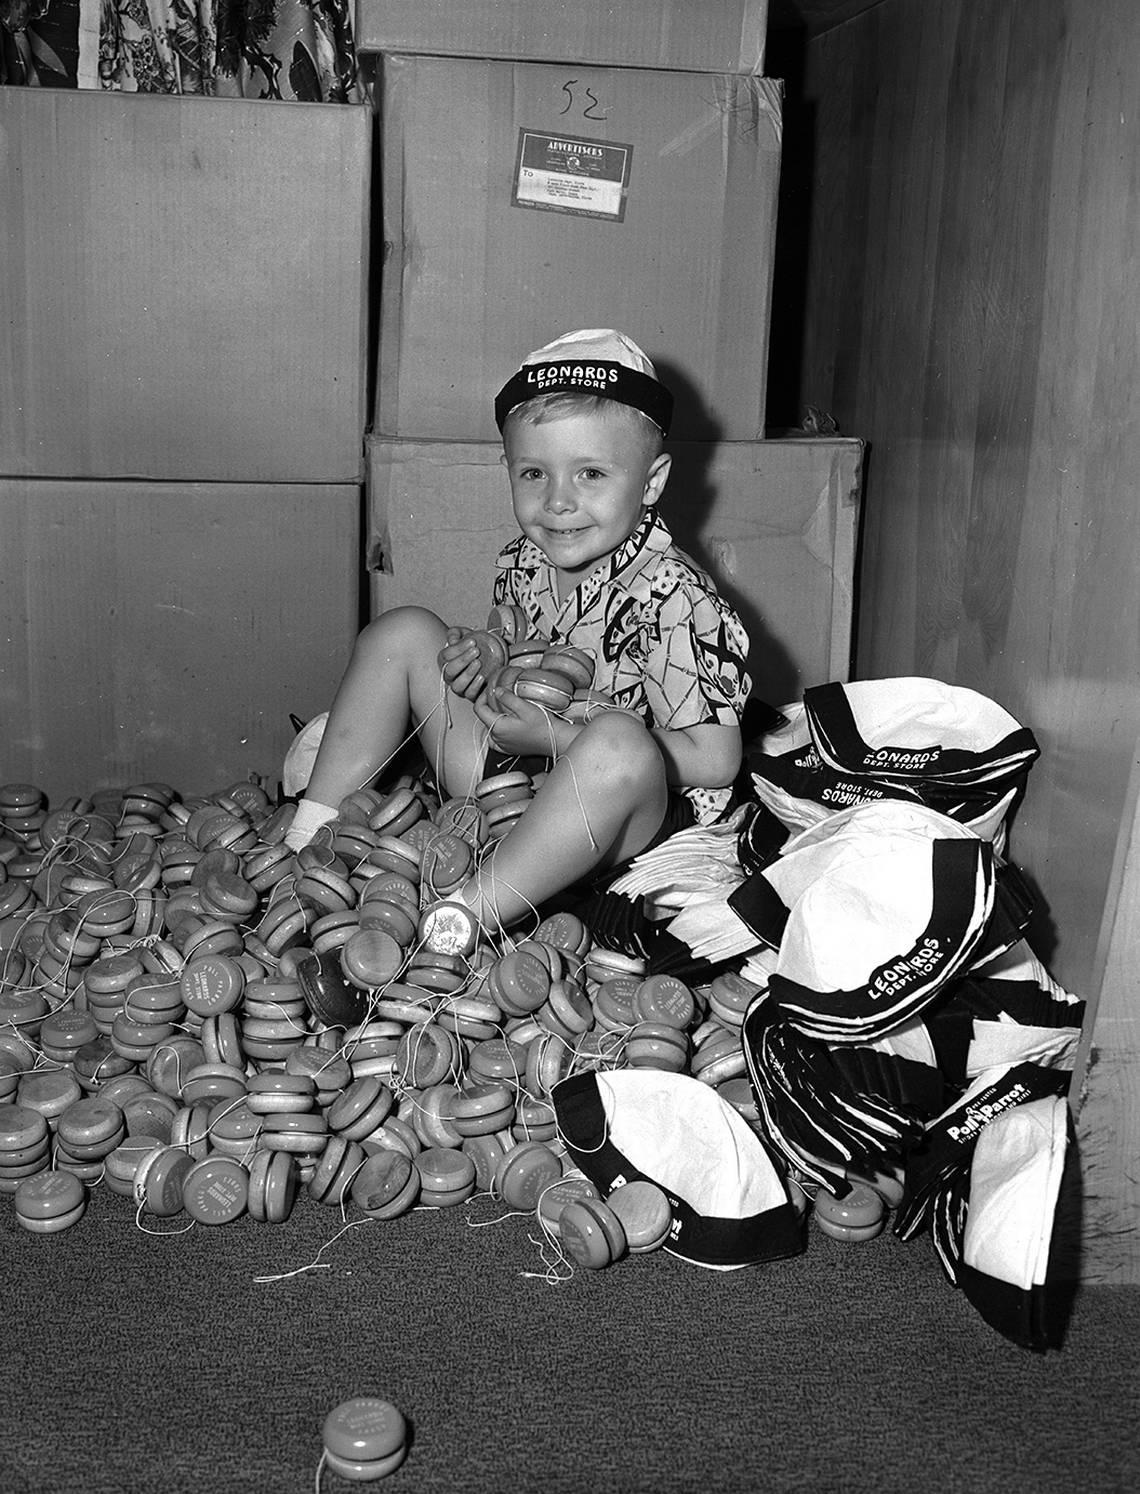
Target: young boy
(583,423)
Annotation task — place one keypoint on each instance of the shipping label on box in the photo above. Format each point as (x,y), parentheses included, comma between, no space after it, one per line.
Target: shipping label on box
(184,287)
(698,35)
(561,175)
(521,201)
(773,522)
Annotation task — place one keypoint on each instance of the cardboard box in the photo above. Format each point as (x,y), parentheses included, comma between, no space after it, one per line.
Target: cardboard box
(774,522)
(704,36)
(167,630)
(522,201)
(183,292)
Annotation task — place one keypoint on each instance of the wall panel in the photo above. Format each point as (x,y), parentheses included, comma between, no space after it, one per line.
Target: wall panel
(972,311)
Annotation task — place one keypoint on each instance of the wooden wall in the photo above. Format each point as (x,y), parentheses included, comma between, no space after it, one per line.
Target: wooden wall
(967,181)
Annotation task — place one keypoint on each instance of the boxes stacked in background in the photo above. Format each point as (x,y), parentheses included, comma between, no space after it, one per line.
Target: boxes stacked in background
(182,408)
(551,167)
(704,36)
(521,200)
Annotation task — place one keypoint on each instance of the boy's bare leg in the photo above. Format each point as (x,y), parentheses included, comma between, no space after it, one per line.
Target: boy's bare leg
(392,687)
(603,801)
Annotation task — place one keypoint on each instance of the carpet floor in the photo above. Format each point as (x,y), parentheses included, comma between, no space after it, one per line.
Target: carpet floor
(135,1362)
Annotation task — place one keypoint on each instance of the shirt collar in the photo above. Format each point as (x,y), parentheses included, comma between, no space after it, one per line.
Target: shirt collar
(624,567)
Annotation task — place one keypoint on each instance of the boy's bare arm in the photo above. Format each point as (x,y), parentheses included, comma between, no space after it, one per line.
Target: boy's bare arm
(701,756)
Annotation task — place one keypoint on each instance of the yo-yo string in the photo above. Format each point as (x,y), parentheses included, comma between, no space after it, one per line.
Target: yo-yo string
(32,916)
(417,1036)
(558,759)
(166,1047)
(459,1070)
(375,772)
(283,891)
(135,989)
(250,1151)
(346,1189)
(499,1218)
(160,1233)
(489,891)
(354,1036)
(335,1055)
(287,1018)
(220,1111)
(42,1064)
(494,1196)
(577,1146)
(559,1269)
(316,1264)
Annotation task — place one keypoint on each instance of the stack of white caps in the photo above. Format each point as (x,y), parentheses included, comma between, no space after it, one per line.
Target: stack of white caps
(988,1181)
(912,738)
(830,1108)
(918,732)
(947,1147)
(825,1121)
(1002,1248)
(872,912)
(1008,1010)
(874,939)
(879,837)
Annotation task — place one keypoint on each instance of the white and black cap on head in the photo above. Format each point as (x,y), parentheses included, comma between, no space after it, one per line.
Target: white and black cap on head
(596,360)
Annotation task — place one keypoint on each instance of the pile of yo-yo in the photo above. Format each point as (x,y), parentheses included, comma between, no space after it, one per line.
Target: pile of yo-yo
(210,1024)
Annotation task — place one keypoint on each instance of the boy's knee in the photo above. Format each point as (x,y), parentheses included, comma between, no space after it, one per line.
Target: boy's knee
(400,629)
(623,747)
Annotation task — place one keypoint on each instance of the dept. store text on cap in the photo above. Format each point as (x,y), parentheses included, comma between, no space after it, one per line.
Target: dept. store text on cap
(914,727)
(596,360)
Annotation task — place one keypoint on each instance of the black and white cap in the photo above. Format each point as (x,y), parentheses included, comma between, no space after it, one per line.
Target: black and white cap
(915,729)
(991,1181)
(830,1110)
(1007,1011)
(794,783)
(1007,1266)
(872,939)
(595,360)
(730,1207)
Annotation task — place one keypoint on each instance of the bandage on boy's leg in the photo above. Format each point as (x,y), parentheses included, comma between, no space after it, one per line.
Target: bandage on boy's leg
(603,801)
(391,687)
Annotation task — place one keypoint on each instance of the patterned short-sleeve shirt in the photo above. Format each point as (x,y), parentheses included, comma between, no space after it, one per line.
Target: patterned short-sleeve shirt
(668,646)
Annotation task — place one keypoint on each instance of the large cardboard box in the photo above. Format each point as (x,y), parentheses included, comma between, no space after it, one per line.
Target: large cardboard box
(774,522)
(703,36)
(521,201)
(183,287)
(167,630)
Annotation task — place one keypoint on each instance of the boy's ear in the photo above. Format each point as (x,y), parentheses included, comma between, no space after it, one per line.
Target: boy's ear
(656,478)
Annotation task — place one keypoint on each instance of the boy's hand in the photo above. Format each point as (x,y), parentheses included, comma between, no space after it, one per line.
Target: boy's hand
(519,727)
(469,659)
(460,664)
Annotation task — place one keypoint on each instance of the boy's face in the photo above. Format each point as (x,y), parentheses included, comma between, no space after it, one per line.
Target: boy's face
(580,484)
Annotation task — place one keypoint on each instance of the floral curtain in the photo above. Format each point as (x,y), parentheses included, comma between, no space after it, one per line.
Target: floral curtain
(268,49)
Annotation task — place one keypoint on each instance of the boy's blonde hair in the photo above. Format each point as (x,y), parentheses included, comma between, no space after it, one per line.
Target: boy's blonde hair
(559,403)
